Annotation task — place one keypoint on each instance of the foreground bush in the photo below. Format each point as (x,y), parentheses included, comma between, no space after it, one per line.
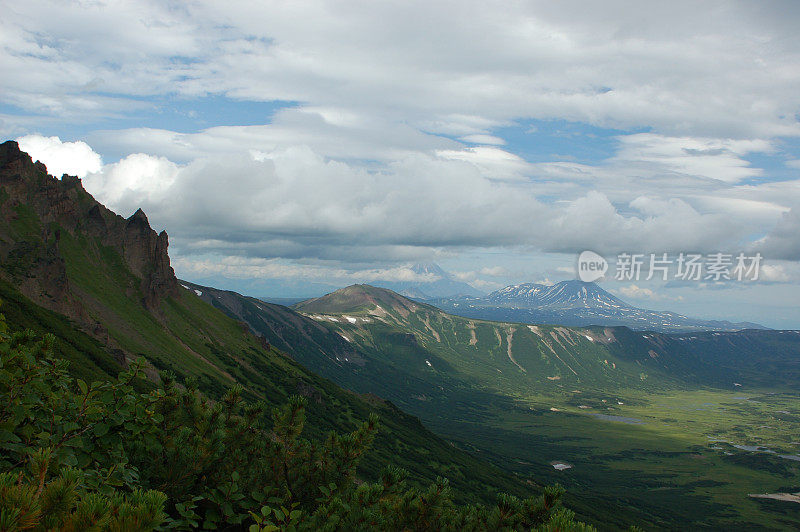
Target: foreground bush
(104,456)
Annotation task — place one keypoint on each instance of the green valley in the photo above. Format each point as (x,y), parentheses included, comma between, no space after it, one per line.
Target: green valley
(665,423)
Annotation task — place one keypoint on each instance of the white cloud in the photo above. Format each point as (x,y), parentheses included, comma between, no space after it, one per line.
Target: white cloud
(73,158)
(655,225)
(710,158)
(776,273)
(293,202)
(636,292)
(723,73)
(783,241)
(474,277)
(233,267)
(494,271)
(383,140)
(493,162)
(486,285)
(132,181)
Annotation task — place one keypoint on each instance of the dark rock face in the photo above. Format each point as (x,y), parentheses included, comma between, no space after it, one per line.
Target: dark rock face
(16,164)
(34,261)
(264,343)
(145,252)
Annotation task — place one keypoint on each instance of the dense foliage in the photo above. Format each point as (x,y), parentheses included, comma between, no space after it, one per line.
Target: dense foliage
(102,455)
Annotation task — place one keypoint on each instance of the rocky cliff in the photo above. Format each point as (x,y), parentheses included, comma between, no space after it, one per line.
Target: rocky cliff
(37,209)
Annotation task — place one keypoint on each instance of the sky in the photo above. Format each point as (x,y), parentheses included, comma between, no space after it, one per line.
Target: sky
(289,148)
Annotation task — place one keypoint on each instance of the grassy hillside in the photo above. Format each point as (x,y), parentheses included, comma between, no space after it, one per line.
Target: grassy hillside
(89,359)
(518,358)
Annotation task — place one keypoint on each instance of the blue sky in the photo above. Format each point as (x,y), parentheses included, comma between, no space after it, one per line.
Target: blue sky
(293,148)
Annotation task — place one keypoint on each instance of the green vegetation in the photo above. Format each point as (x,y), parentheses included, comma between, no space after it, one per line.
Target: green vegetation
(104,456)
(88,359)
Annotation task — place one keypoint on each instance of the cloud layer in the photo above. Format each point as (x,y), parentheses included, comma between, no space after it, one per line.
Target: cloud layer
(402,130)
(293,202)
(715,69)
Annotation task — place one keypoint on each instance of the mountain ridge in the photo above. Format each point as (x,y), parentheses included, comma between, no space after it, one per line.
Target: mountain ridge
(365,306)
(61,205)
(360,299)
(627,410)
(576,303)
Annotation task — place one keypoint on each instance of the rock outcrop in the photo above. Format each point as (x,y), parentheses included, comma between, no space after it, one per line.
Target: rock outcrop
(35,208)
(145,252)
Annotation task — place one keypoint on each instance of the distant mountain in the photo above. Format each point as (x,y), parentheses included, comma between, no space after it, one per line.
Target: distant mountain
(364,314)
(301,337)
(563,295)
(360,299)
(440,284)
(576,303)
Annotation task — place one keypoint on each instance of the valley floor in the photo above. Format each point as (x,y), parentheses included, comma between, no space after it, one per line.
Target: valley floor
(675,459)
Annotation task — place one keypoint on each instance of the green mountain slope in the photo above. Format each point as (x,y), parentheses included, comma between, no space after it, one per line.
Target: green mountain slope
(522,357)
(104,286)
(291,332)
(631,412)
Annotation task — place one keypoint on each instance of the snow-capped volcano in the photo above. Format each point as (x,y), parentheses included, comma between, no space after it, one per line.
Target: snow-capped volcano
(436,283)
(563,295)
(575,303)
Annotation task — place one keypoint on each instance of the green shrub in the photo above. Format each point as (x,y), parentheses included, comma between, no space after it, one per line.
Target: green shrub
(103,456)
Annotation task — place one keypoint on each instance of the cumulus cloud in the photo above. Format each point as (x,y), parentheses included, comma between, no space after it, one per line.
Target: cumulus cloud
(593,222)
(726,73)
(73,158)
(133,181)
(783,241)
(293,202)
(313,204)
